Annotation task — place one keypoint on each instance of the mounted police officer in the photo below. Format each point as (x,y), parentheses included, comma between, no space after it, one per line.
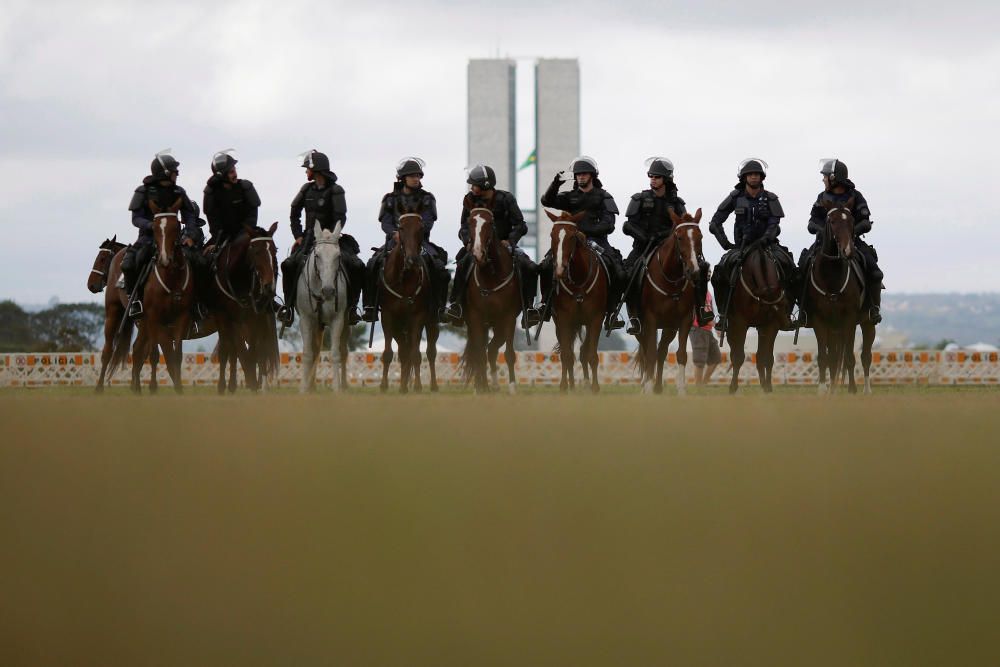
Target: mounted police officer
(159,187)
(839,189)
(758,217)
(408,194)
(588,195)
(509,226)
(648,223)
(230,202)
(324,202)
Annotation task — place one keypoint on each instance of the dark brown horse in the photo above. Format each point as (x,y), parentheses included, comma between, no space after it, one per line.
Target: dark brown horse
(167,297)
(758,300)
(835,298)
(98,278)
(406,298)
(581,289)
(668,301)
(494,300)
(244,286)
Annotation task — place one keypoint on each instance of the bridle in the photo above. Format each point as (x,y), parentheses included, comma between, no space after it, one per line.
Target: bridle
(490,242)
(743,281)
(684,280)
(409,299)
(255,280)
(592,263)
(317,299)
(175,294)
(839,257)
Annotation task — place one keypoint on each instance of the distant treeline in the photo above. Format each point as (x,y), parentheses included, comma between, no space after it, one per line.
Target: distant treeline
(928,319)
(66,327)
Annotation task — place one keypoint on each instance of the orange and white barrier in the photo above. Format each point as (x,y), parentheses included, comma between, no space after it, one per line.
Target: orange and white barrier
(364,369)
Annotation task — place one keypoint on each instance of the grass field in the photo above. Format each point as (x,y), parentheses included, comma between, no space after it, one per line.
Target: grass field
(528,530)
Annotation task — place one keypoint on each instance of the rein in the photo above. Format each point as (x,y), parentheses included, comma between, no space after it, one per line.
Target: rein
(759,299)
(487,291)
(315,298)
(683,280)
(839,257)
(592,273)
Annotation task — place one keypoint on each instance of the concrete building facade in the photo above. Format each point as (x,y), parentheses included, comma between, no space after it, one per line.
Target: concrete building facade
(491,117)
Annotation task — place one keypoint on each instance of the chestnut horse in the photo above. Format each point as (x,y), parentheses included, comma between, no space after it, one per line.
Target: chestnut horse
(243,286)
(494,300)
(668,301)
(106,272)
(580,299)
(758,300)
(167,297)
(406,299)
(835,298)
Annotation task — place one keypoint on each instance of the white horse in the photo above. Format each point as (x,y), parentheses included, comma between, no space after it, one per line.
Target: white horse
(321,300)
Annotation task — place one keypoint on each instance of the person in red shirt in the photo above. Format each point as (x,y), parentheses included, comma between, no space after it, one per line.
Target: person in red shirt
(704,347)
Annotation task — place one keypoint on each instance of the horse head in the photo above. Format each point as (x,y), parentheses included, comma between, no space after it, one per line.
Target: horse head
(261,256)
(839,229)
(687,236)
(564,238)
(98,277)
(166,231)
(481,233)
(326,257)
(411,236)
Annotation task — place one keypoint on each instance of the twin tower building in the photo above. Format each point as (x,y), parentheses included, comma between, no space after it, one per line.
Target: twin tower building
(492,127)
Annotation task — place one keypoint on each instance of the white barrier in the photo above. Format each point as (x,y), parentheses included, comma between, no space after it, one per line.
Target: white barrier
(364,369)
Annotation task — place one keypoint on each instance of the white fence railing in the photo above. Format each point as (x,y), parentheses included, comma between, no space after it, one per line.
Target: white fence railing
(364,369)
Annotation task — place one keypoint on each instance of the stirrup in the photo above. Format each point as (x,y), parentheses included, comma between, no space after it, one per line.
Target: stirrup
(875,314)
(634,326)
(135,310)
(531,318)
(612,324)
(369,314)
(353,317)
(286,315)
(722,325)
(453,314)
(704,316)
(121,282)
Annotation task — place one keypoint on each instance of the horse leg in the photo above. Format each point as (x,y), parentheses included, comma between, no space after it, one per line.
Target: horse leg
(154,360)
(682,357)
(342,350)
(113,315)
(765,356)
(867,339)
(336,331)
(403,345)
(433,331)
(510,356)
(166,344)
(647,352)
(564,336)
(416,331)
(737,338)
(310,349)
(588,351)
(662,350)
(822,354)
(492,355)
(386,359)
(849,359)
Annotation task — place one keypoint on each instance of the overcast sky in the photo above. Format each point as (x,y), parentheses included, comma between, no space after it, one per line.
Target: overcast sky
(906,93)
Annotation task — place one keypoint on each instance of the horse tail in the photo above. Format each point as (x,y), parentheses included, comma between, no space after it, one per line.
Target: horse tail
(215,353)
(638,359)
(465,365)
(122,341)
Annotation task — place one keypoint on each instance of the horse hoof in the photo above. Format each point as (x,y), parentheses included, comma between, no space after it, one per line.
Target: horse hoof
(99,389)
(732,390)
(595,389)
(658,389)
(511,388)
(822,390)
(434,388)
(682,391)
(383,388)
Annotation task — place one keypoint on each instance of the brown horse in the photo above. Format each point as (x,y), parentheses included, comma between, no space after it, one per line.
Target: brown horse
(581,289)
(758,300)
(406,298)
(668,301)
(106,272)
(835,297)
(244,286)
(494,300)
(167,297)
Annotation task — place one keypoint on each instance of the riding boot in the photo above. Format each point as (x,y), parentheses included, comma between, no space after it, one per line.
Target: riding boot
(370,291)
(613,320)
(529,286)
(546,269)
(289,280)
(875,296)
(456,303)
(633,303)
(356,281)
(721,289)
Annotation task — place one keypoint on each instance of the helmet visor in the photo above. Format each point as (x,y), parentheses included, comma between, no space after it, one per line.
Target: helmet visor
(763,165)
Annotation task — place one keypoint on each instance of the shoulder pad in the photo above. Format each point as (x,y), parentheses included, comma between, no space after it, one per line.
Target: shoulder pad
(609,203)
(179,190)
(207,190)
(246,185)
(680,201)
(771,195)
(305,187)
(138,198)
(336,189)
(637,196)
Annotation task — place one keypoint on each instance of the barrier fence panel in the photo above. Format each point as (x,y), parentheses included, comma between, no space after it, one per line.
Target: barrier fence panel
(364,369)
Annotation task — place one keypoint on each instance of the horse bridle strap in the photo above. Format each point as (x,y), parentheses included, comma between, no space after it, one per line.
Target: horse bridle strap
(829,295)
(408,299)
(187,277)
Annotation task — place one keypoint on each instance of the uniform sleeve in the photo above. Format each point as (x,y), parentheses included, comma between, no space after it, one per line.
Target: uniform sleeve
(295,216)
(775,212)
(862,216)
(208,208)
(339,204)
(463,230)
(252,203)
(518,227)
(725,209)
(387,216)
(632,226)
(189,217)
(551,196)
(817,216)
(429,214)
(138,207)
(603,222)
(680,207)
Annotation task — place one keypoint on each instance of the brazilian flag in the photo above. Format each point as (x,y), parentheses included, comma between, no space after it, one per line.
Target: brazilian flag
(531,159)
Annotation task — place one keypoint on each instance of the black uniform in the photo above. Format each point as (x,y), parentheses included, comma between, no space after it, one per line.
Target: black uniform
(392,204)
(509,225)
(596,226)
(757,217)
(327,206)
(164,193)
(647,221)
(229,207)
(862,225)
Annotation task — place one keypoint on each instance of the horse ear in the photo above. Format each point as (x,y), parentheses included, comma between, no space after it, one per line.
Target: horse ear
(827,204)
(114,239)
(577,217)
(317,229)
(338,228)
(154,207)
(274,226)
(850,203)
(176,206)
(552,216)
(697,216)
(673,217)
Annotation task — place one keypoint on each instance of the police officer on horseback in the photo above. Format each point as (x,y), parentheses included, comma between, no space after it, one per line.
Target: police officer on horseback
(647,221)
(161,188)
(509,226)
(408,194)
(230,202)
(758,217)
(588,195)
(323,201)
(839,189)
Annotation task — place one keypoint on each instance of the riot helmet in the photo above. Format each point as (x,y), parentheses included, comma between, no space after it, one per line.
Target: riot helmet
(835,169)
(660,166)
(752,165)
(164,164)
(409,166)
(482,176)
(222,162)
(585,165)
(318,162)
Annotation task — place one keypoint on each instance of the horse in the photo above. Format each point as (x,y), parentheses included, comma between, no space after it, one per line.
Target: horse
(761,303)
(581,289)
(493,299)
(321,299)
(669,301)
(167,297)
(106,272)
(406,299)
(243,289)
(835,297)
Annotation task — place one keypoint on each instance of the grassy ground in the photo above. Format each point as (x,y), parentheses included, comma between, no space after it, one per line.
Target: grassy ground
(528,530)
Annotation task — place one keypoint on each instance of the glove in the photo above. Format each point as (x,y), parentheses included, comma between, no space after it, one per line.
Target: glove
(863,227)
(771,234)
(723,241)
(559,178)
